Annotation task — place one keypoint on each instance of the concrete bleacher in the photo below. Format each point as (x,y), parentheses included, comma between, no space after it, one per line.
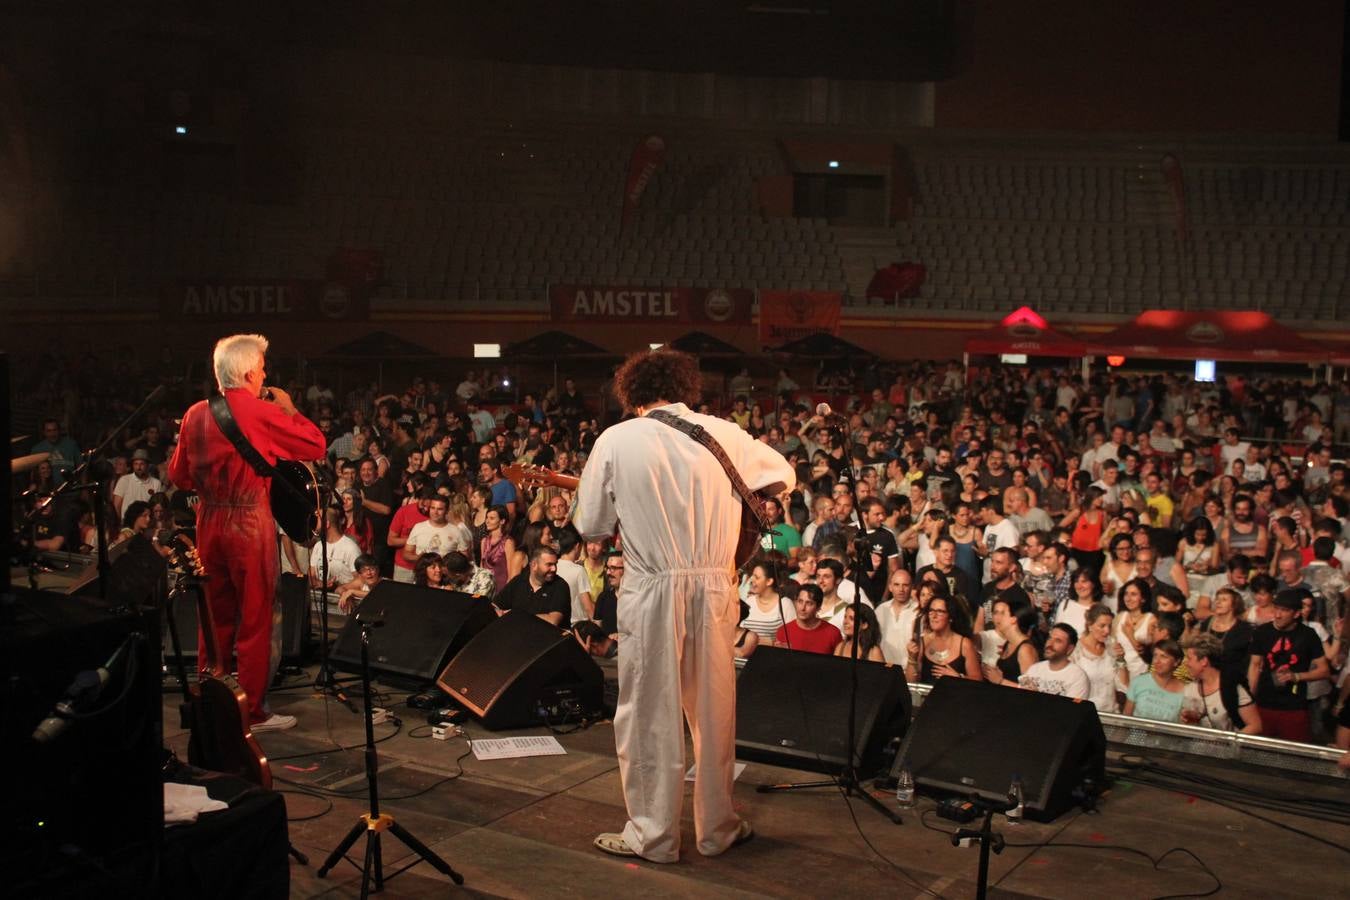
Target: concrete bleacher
(1079,228)
(496,212)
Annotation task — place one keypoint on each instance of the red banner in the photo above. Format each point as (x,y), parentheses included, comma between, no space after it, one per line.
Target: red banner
(789,315)
(257,299)
(677,305)
(646,159)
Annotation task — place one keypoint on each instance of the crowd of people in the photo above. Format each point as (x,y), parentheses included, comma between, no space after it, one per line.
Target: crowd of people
(1164,548)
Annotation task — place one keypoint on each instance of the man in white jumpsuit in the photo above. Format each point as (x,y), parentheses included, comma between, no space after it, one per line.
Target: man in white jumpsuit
(678,518)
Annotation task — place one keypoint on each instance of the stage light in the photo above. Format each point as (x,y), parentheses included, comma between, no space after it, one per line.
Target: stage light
(834,164)
(487,351)
(506,382)
(180,129)
(1115,360)
(655,346)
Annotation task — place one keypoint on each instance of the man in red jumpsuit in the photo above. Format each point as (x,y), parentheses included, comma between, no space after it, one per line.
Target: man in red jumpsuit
(236,534)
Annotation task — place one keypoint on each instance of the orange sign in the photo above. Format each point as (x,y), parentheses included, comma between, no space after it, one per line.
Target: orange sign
(788,315)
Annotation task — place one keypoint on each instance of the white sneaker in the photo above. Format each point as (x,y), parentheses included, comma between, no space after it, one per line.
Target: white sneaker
(277,722)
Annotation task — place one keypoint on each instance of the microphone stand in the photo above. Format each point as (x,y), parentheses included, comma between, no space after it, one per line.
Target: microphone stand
(374,823)
(848,781)
(100,501)
(988,838)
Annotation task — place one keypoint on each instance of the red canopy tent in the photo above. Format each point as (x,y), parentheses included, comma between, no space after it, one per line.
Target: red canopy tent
(1024,331)
(1242,336)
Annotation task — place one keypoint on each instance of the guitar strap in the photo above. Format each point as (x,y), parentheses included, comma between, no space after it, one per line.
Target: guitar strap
(220,409)
(701,435)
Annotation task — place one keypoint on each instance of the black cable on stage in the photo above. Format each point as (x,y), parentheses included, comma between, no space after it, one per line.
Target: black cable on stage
(312,795)
(1070,845)
(338,748)
(1242,805)
(1329,805)
(362,788)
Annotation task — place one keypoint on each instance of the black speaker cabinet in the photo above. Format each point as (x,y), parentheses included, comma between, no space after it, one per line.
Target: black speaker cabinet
(792,710)
(521,671)
(84,810)
(972,738)
(423,627)
(295,623)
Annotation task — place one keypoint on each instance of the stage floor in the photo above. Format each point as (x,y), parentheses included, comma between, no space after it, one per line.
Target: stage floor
(523,828)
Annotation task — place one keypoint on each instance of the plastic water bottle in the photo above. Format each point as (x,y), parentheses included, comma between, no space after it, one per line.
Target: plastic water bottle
(904,789)
(1018,801)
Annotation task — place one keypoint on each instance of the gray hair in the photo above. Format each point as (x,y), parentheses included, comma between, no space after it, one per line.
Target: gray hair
(235,356)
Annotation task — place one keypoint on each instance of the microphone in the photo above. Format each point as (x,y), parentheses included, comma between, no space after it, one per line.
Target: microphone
(831,417)
(82,692)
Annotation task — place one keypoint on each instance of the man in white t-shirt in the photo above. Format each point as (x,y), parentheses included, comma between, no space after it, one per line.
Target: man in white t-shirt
(573,573)
(1233,448)
(139,484)
(1057,674)
(341,551)
(435,535)
(999,531)
(895,618)
(830,580)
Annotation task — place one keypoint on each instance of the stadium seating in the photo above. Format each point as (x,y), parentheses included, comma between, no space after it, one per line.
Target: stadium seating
(496,212)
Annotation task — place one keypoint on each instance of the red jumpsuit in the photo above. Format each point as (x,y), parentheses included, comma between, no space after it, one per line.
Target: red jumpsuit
(236,534)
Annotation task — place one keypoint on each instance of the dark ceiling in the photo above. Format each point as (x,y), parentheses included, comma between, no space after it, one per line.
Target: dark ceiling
(885,40)
(901,40)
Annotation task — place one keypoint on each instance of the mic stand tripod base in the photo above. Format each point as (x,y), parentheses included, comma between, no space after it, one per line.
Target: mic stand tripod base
(989,839)
(374,823)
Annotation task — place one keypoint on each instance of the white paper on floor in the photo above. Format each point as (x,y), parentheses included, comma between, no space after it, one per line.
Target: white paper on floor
(740,767)
(516,747)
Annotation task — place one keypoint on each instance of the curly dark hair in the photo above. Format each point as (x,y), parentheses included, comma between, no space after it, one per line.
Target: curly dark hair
(648,376)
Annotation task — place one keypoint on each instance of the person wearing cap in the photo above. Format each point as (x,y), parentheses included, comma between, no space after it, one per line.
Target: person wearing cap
(138,484)
(1286,656)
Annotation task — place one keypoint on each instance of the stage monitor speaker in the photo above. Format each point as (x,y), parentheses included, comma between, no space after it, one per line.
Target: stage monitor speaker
(521,671)
(423,627)
(792,710)
(972,738)
(294,596)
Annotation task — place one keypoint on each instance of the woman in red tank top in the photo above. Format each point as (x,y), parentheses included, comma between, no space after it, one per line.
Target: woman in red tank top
(1088,520)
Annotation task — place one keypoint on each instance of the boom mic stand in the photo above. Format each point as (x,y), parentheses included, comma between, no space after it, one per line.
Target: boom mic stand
(848,780)
(374,823)
(100,501)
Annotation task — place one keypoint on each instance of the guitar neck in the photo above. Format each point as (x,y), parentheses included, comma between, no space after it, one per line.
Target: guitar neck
(537,476)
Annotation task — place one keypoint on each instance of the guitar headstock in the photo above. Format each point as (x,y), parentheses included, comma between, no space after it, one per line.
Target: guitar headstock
(186,554)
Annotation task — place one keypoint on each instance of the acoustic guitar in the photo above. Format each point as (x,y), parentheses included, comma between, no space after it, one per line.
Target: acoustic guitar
(222,739)
(753,526)
(298,494)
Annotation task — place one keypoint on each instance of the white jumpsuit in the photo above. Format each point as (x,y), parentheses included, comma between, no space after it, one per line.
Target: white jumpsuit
(678,518)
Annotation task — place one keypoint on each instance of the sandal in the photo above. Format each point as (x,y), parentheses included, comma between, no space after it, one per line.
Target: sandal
(614,845)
